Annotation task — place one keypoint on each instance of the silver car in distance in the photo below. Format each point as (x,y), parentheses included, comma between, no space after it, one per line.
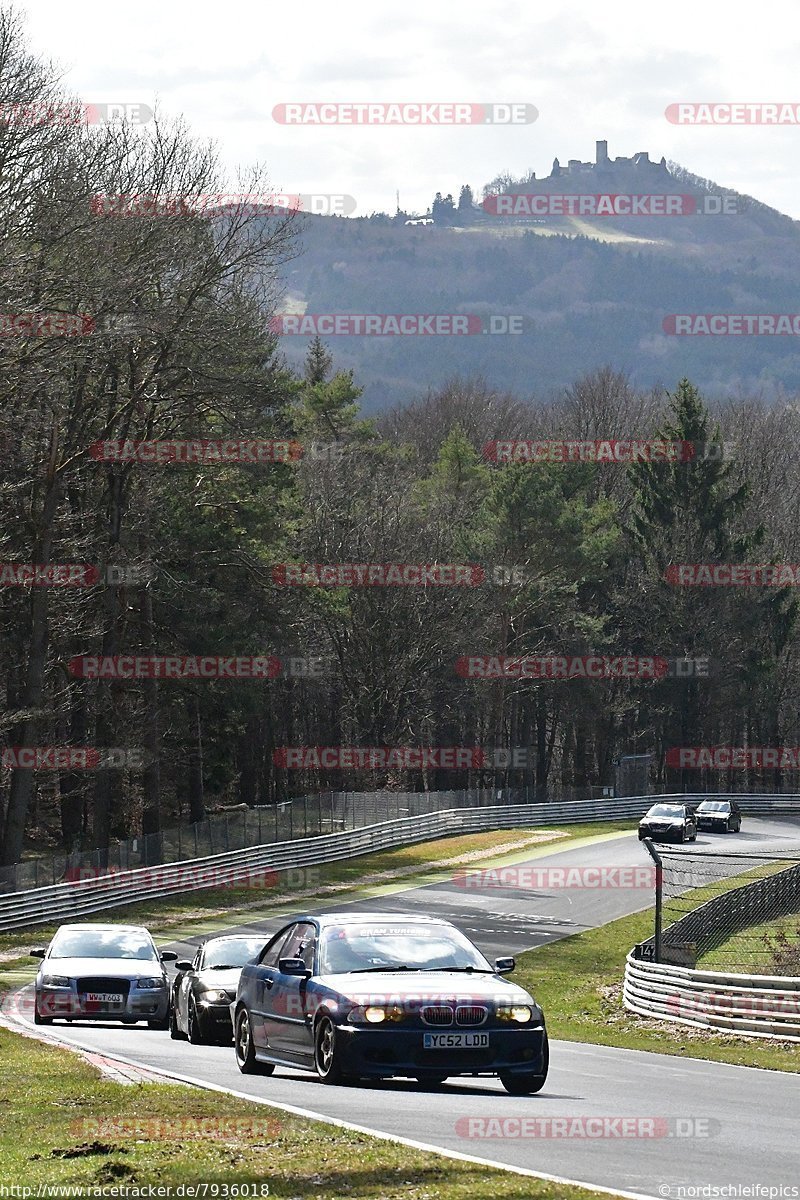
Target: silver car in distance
(102,973)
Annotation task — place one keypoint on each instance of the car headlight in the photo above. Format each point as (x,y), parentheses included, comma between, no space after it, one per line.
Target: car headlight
(375,1014)
(55,981)
(149,983)
(521,1013)
(214,997)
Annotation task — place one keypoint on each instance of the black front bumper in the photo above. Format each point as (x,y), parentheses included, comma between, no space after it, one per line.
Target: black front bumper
(380,1053)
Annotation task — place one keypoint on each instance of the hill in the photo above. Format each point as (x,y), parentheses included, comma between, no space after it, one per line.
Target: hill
(586,288)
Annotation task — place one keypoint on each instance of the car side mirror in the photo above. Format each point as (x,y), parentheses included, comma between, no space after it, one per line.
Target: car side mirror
(39,952)
(168,956)
(293,966)
(183,966)
(503,965)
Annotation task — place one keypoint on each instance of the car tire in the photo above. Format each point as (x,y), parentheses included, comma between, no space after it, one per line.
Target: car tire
(38,1019)
(435,1080)
(162,1023)
(683,835)
(194,1025)
(175,1031)
(526,1085)
(246,1059)
(327,1058)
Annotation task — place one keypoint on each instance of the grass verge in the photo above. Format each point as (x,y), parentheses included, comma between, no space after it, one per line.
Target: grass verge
(63,1125)
(746,953)
(577,980)
(413,865)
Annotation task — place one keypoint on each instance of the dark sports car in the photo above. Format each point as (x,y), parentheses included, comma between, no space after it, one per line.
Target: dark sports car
(354,995)
(669,823)
(200,1005)
(719,816)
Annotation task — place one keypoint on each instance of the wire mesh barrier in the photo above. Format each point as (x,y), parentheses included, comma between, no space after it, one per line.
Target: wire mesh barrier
(730,912)
(238,829)
(314,816)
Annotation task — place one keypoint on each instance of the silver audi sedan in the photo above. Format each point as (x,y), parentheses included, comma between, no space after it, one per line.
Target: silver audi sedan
(102,973)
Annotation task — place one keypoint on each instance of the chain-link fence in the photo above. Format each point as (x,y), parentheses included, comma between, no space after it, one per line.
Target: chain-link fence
(736,911)
(305,816)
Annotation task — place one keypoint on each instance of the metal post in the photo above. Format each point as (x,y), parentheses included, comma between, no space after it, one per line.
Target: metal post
(651,850)
(305,815)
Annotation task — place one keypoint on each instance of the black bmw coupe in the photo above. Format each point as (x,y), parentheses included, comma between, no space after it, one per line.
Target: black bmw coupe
(355,995)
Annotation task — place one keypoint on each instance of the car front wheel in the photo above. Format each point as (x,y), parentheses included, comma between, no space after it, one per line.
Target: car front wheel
(38,1019)
(197,1034)
(175,1031)
(327,1057)
(246,1059)
(526,1085)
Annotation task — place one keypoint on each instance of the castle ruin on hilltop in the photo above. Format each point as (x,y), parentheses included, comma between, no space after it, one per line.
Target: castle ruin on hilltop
(604,165)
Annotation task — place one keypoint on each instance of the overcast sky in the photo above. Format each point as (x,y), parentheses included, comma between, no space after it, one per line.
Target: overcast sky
(592,71)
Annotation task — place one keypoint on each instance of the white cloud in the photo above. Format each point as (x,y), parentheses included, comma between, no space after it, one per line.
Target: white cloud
(593,71)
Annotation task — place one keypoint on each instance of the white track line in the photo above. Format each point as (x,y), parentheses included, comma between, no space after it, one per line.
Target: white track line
(53,1038)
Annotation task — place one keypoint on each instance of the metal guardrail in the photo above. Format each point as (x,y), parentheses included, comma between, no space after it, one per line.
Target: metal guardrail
(65,901)
(753,1005)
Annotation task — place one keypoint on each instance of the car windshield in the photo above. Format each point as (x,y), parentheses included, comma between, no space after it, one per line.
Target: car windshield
(376,947)
(718,806)
(231,952)
(665,810)
(103,943)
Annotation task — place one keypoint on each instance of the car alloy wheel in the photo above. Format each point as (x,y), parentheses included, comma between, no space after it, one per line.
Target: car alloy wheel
(327,1059)
(246,1059)
(175,1031)
(196,1032)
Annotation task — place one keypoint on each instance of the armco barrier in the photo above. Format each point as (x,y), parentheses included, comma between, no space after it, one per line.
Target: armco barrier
(64,901)
(752,1005)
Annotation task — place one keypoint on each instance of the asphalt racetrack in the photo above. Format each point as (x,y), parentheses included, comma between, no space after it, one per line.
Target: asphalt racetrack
(713,1124)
